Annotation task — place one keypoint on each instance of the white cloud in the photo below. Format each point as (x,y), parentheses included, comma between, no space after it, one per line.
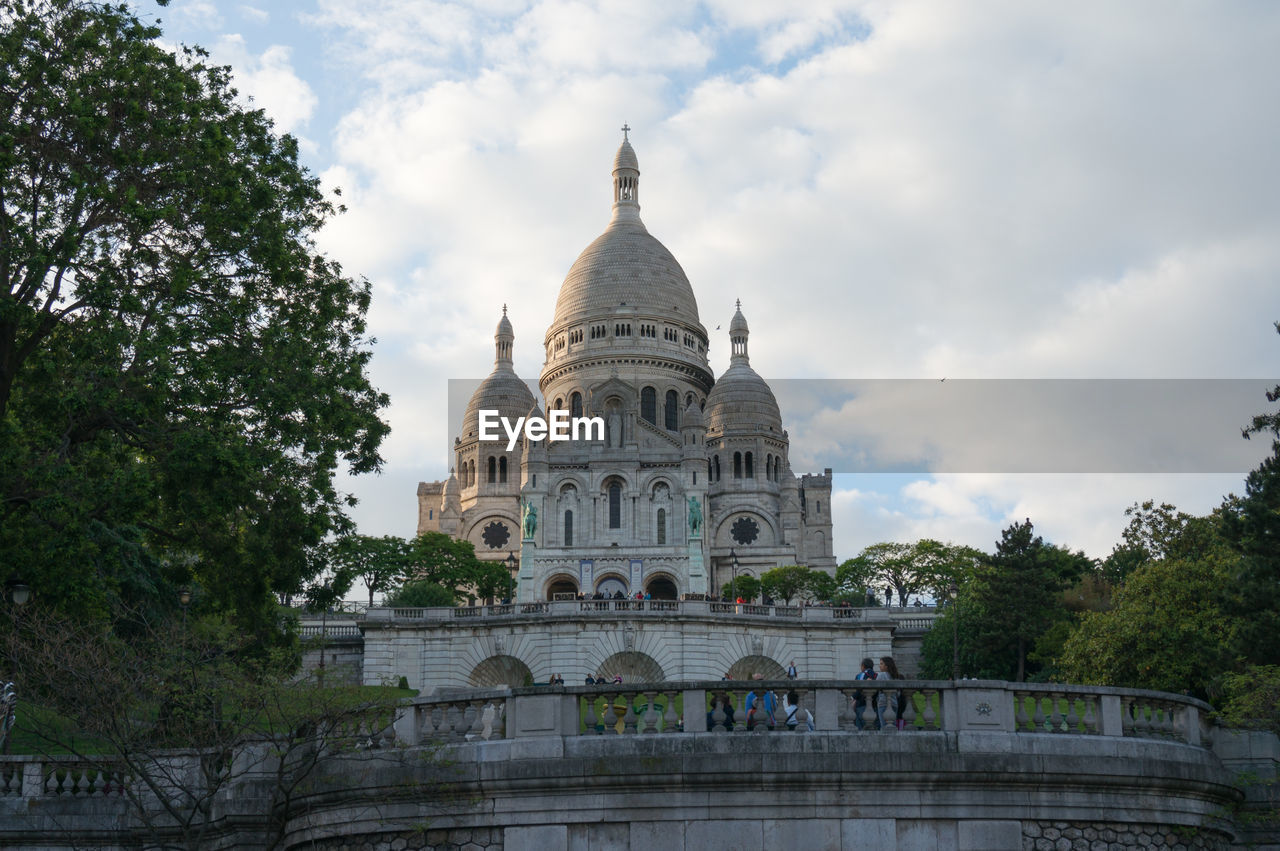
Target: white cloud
(253,13)
(270,80)
(193,14)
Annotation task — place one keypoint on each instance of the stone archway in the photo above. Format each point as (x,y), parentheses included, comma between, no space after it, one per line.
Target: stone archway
(500,671)
(662,587)
(561,584)
(747,667)
(633,666)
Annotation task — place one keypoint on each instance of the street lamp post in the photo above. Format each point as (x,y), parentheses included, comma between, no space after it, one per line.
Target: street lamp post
(511,568)
(184,600)
(733,576)
(955,630)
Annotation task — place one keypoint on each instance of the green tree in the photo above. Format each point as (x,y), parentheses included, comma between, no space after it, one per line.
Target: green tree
(786,582)
(1251,526)
(746,585)
(853,577)
(449,563)
(1165,630)
(884,564)
(820,586)
(181,372)
(422,593)
(238,717)
(1015,594)
(381,562)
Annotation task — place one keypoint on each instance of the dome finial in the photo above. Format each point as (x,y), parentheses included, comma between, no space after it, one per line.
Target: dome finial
(625,130)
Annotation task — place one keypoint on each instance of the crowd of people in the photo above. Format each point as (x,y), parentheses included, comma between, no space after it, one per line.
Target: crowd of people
(762,706)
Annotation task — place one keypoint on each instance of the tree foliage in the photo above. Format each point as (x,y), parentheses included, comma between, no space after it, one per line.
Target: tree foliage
(784,582)
(380,562)
(1166,630)
(422,593)
(927,566)
(1015,594)
(746,586)
(181,372)
(122,706)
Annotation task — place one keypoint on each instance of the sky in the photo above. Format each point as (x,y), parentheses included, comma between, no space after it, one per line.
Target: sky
(895,190)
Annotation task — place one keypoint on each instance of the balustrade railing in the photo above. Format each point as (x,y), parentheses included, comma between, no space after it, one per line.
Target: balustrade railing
(857,707)
(729,708)
(913,619)
(329,630)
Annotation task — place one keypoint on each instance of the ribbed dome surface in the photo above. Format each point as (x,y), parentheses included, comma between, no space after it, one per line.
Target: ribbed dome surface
(502,391)
(742,401)
(625,265)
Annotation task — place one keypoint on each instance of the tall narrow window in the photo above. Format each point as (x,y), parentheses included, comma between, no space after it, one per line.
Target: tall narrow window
(493,469)
(751,473)
(502,468)
(818,504)
(662,525)
(649,405)
(471,474)
(568,528)
(717,468)
(615,506)
(575,405)
(737,465)
(669,411)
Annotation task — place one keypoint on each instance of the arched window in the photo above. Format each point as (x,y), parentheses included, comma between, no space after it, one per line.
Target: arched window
(471,474)
(688,399)
(818,503)
(649,405)
(615,505)
(751,473)
(768,468)
(502,468)
(717,468)
(568,527)
(493,469)
(575,405)
(662,525)
(559,404)
(737,465)
(670,410)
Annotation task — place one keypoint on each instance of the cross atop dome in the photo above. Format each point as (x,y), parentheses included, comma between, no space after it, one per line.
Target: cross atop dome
(625,130)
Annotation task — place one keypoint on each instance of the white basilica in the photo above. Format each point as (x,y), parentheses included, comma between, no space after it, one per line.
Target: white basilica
(692,477)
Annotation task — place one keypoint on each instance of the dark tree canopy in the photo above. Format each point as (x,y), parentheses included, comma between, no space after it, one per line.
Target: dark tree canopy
(181,372)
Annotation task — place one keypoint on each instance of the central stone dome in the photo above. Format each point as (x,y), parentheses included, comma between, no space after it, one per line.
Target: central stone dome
(625,269)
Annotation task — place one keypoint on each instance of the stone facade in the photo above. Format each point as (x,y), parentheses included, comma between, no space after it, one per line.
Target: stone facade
(626,345)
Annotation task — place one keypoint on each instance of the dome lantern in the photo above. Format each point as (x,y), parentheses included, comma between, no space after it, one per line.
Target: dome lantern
(738,333)
(503,340)
(626,181)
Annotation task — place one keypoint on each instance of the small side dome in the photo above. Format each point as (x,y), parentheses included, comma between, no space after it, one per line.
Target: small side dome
(450,485)
(741,401)
(502,391)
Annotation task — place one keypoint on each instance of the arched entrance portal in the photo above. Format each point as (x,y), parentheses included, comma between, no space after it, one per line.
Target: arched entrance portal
(748,666)
(611,585)
(634,667)
(662,588)
(501,671)
(561,585)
